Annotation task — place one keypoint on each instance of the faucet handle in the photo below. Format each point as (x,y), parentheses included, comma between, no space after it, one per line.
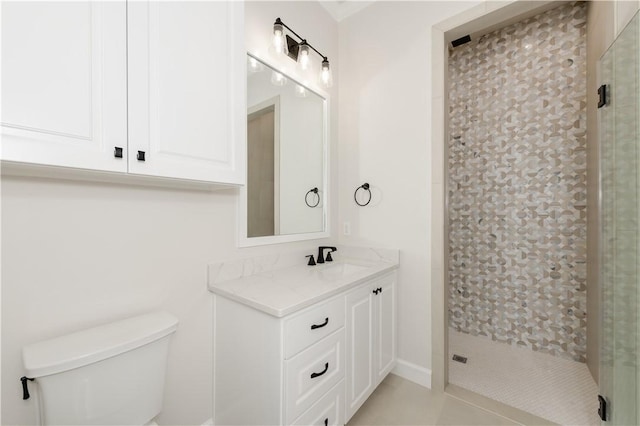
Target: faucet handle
(312,261)
(329,258)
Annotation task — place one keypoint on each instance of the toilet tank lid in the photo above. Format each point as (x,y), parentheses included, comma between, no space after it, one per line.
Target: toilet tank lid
(95,344)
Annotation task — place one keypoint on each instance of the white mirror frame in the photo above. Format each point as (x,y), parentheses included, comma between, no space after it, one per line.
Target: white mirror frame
(243,240)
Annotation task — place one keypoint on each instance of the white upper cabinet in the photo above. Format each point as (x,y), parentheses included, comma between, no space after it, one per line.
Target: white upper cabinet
(163,81)
(64,71)
(187,90)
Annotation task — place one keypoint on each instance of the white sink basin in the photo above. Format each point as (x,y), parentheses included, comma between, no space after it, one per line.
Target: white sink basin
(339,270)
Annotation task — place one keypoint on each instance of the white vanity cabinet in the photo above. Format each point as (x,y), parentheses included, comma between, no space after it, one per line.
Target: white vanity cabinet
(292,370)
(371,347)
(146,88)
(274,371)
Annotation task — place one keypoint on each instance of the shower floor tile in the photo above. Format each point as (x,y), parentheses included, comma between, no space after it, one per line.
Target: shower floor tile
(553,388)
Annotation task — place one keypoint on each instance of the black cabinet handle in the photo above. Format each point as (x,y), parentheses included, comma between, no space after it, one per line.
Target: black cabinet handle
(379,289)
(117,152)
(375,291)
(326,321)
(326,367)
(326,422)
(602,410)
(140,156)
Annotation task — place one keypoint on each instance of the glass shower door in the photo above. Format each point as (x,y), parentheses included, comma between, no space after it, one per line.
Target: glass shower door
(620,178)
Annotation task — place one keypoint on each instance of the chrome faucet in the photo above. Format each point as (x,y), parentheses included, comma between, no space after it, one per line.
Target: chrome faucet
(321,258)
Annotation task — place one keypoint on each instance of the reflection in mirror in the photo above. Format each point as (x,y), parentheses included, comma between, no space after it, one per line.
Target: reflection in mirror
(286,151)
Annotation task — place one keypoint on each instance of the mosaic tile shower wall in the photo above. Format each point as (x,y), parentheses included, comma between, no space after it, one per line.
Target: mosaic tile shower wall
(517,184)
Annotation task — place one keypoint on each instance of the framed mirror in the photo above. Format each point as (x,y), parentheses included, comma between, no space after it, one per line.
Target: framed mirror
(285,198)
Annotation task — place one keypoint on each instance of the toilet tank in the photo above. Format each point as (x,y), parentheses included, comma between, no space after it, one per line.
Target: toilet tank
(113,374)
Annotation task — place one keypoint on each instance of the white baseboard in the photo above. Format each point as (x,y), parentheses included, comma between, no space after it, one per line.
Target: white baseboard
(413,372)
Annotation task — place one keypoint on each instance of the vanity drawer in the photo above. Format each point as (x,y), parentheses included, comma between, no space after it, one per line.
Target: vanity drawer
(312,325)
(314,371)
(328,411)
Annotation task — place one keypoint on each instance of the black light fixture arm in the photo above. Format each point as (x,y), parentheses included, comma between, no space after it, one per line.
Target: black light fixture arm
(302,40)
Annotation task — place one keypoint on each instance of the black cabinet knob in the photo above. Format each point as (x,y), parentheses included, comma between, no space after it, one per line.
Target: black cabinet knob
(140,156)
(117,152)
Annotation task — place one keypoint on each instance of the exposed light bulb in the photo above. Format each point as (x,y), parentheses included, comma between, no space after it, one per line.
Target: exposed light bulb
(304,58)
(277,79)
(326,79)
(278,38)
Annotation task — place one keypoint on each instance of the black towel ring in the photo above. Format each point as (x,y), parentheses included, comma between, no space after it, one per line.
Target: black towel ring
(364,186)
(306,197)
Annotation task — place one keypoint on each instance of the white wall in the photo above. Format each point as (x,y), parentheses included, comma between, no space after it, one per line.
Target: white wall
(624,11)
(385,139)
(79,254)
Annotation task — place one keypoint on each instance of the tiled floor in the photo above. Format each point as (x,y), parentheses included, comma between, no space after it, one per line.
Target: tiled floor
(550,387)
(400,402)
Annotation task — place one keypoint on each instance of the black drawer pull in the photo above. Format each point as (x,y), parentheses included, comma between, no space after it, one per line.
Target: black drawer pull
(140,156)
(326,367)
(326,421)
(375,291)
(326,321)
(117,152)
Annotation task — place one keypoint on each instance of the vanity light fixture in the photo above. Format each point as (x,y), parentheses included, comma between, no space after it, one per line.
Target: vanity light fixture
(299,51)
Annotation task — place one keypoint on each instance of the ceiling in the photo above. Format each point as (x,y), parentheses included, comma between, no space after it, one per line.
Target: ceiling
(341,9)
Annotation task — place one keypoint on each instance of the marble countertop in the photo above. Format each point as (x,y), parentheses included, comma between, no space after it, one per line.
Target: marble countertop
(283,284)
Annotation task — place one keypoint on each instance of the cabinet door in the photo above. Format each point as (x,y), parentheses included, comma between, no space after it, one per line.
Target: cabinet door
(64,99)
(360,340)
(187,100)
(385,342)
